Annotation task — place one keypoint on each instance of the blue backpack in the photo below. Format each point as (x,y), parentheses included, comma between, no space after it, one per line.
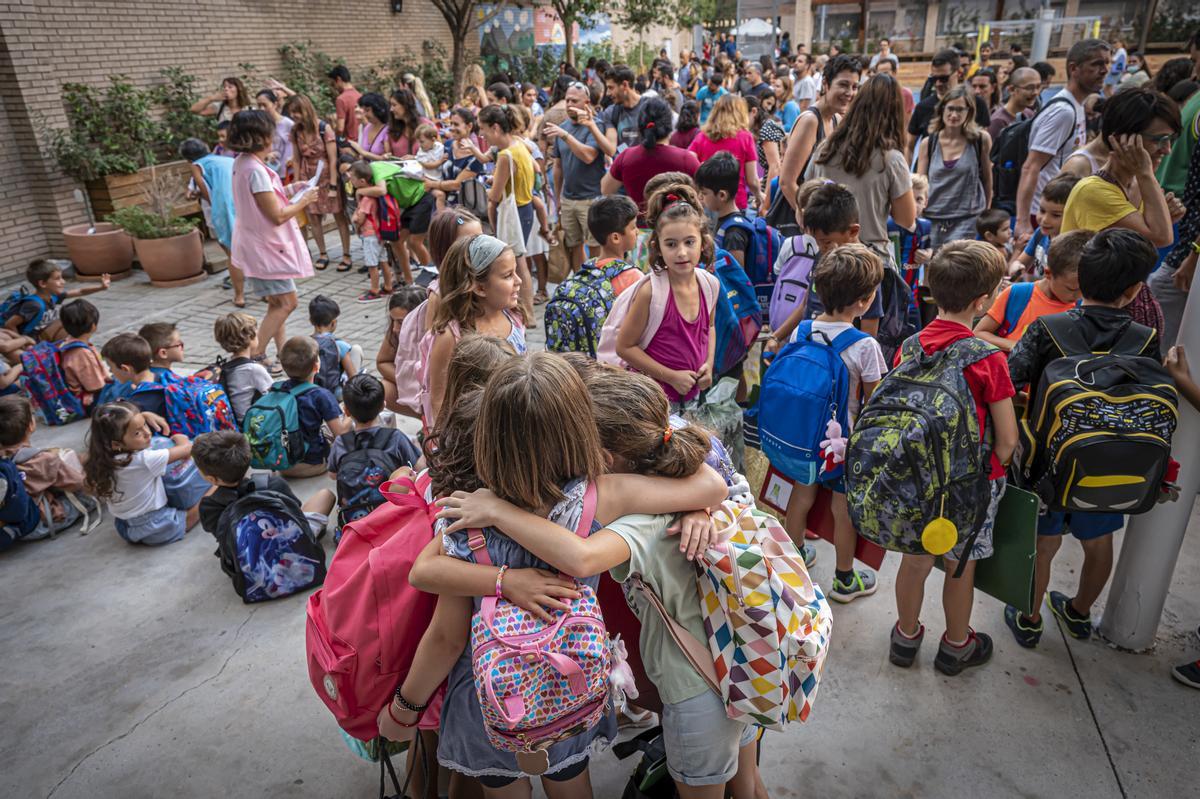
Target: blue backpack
(192,405)
(329,373)
(272,428)
(806,385)
(8,309)
(1019,296)
(761,252)
(737,317)
(266,546)
(576,313)
(41,368)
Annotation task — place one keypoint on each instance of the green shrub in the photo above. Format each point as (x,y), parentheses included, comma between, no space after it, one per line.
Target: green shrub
(142,224)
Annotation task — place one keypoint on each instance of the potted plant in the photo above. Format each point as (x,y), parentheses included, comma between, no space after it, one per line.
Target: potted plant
(103,248)
(168,246)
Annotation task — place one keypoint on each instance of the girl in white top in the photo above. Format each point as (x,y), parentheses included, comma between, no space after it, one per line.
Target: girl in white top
(123,469)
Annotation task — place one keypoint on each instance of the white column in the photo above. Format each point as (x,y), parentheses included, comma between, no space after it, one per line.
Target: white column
(1152,540)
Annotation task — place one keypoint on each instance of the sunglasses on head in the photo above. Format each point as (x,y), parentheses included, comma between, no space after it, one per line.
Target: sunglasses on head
(576,85)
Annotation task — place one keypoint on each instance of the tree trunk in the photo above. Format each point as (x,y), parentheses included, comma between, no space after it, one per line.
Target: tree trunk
(569,52)
(456,64)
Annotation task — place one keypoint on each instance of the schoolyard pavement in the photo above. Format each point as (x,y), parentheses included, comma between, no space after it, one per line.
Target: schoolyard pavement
(135,672)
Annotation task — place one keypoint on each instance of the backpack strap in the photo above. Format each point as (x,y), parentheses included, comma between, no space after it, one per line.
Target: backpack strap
(349,441)
(1065,334)
(696,651)
(1133,341)
(298,389)
(1019,296)
(847,339)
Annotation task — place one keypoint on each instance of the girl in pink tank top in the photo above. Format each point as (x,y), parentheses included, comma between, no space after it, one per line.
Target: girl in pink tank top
(680,353)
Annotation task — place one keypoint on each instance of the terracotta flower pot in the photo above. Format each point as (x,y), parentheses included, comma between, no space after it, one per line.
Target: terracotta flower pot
(174,261)
(109,249)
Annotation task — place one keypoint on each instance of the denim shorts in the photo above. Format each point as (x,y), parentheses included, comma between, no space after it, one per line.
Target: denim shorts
(1084,526)
(163,526)
(702,741)
(261,287)
(372,248)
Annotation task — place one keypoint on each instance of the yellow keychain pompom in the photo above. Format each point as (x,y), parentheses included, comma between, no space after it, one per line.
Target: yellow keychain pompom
(940,535)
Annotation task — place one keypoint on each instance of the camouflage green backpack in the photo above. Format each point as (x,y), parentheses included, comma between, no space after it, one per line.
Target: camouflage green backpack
(915,453)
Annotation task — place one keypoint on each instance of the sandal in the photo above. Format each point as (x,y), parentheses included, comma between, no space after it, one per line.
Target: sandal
(345,265)
(321,263)
(237,304)
(541,298)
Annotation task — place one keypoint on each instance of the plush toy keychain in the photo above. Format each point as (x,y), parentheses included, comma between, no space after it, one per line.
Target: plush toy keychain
(833,448)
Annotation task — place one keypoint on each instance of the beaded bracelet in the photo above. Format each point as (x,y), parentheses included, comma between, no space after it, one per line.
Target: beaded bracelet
(401,723)
(500,581)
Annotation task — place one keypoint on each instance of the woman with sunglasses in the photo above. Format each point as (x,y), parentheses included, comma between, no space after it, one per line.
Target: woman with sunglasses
(1139,126)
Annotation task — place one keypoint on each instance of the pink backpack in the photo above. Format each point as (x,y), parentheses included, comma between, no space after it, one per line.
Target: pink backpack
(660,287)
(408,354)
(539,683)
(365,623)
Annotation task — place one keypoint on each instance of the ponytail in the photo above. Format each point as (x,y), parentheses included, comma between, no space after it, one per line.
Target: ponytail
(654,120)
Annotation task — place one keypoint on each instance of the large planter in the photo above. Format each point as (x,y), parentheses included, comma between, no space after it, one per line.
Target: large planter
(174,261)
(107,250)
(111,192)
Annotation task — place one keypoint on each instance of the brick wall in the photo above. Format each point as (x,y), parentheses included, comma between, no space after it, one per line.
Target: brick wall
(45,43)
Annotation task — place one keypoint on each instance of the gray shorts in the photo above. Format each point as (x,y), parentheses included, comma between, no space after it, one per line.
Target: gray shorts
(702,741)
(372,247)
(269,288)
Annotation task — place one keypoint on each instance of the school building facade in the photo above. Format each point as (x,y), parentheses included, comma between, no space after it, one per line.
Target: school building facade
(46,43)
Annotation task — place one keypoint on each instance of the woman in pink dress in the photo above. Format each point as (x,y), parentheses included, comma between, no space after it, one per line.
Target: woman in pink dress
(267,243)
(728,129)
(314,141)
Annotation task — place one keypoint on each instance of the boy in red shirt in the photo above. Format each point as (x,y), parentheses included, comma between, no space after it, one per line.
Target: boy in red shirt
(963,278)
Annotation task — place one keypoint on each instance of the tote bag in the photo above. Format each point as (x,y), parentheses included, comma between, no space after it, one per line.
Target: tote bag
(508,223)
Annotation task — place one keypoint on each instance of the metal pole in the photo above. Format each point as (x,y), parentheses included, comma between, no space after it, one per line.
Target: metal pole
(1147,21)
(1041,34)
(1152,540)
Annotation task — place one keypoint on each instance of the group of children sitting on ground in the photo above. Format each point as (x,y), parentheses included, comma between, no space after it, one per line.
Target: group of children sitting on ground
(165,450)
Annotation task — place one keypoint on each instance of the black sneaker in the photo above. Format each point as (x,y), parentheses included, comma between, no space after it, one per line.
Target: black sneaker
(1077,626)
(904,649)
(1027,633)
(951,660)
(1188,673)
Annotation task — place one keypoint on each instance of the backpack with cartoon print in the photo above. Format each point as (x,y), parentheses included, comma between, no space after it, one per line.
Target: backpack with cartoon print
(266,545)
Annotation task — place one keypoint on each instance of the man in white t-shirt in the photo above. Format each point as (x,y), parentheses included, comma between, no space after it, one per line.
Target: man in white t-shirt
(1059,128)
(806,85)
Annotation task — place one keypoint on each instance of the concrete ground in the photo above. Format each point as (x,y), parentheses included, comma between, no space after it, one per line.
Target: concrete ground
(138,672)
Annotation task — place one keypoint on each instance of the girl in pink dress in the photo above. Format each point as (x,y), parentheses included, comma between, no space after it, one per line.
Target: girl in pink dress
(267,243)
(680,353)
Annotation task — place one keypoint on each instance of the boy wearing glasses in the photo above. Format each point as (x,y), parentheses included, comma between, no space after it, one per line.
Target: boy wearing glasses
(1023,86)
(166,348)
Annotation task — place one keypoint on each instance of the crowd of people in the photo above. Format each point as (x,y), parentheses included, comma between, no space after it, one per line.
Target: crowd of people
(961,223)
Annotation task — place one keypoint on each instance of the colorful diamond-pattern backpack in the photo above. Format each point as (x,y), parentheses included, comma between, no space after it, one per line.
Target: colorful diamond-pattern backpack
(539,683)
(768,624)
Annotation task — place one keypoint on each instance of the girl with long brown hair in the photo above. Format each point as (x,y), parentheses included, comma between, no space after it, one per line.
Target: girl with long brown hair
(865,153)
(480,293)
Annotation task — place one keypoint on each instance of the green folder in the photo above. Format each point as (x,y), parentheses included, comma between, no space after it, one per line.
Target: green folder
(1008,573)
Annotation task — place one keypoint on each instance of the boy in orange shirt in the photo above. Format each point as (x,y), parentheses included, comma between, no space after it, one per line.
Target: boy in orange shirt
(1021,303)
